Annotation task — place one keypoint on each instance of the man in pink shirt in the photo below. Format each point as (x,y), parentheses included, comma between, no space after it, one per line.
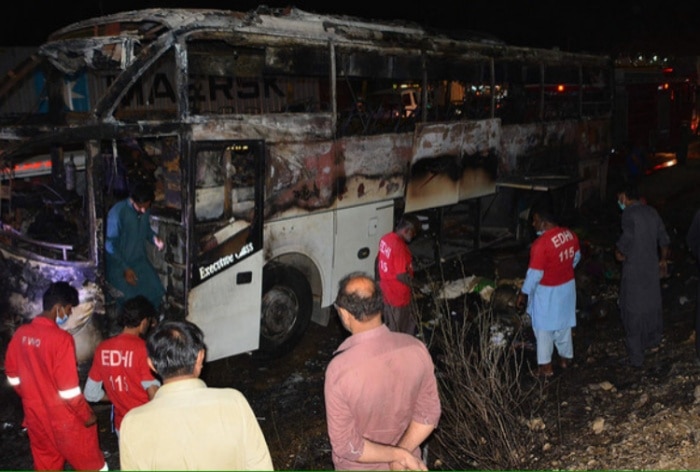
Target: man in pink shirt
(120,371)
(380,390)
(395,270)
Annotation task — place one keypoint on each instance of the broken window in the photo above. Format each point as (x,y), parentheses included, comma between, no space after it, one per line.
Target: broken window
(43,202)
(377,93)
(154,159)
(153,96)
(227,79)
(225,198)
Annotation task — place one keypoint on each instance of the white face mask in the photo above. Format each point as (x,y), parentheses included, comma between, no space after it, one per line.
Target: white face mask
(61,319)
(540,231)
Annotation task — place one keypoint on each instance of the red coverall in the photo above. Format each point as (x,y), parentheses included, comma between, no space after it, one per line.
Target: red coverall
(41,365)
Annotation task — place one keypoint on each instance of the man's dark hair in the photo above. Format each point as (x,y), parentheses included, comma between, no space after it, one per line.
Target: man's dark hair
(135,310)
(173,347)
(631,190)
(62,293)
(141,191)
(361,304)
(409,221)
(546,215)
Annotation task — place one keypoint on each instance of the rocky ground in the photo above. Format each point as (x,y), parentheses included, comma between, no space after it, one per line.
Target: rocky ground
(596,414)
(604,416)
(600,415)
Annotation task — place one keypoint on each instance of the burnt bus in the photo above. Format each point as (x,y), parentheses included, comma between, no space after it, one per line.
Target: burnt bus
(283,144)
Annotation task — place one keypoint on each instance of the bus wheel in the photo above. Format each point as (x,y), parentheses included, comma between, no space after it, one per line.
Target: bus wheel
(286,311)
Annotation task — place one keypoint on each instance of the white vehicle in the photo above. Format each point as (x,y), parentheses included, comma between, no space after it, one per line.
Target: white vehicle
(267,195)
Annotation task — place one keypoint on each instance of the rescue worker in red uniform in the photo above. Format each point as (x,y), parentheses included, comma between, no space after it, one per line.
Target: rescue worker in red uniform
(41,366)
(550,289)
(395,273)
(120,371)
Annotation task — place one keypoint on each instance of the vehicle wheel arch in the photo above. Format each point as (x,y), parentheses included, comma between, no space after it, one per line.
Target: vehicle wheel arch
(289,281)
(307,266)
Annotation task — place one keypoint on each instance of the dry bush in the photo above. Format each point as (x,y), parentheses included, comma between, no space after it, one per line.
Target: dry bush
(486,404)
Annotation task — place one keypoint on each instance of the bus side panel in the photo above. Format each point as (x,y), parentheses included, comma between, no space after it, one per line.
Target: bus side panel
(453,162)
(357,235)
(272,128)
(227,308)
(374,167)
(319,176)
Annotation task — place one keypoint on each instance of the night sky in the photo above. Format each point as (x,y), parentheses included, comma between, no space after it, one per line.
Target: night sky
(605,27)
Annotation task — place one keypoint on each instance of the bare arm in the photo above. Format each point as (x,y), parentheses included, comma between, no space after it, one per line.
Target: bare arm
(619,257)
(415,435)
(399,458)
(91,421)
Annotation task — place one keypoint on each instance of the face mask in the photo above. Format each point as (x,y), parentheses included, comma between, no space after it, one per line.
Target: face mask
(60,320)
(539,233)
(621,205)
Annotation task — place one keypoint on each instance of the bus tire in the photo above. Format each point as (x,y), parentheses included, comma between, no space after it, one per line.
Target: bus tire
(285,311)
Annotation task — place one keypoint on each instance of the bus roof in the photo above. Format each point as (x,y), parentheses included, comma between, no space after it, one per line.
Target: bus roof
(298,26)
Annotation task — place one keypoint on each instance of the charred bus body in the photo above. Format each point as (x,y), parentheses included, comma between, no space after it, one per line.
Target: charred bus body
(282,145)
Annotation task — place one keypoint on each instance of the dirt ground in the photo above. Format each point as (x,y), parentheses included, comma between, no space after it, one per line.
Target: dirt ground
(597,415)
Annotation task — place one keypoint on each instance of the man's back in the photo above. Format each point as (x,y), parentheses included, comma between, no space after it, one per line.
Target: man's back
(41,365)
(120,364)
(375,385)
(643,231)
(188,426)
(394,258)
(554,253)
(39,354)
(126,233)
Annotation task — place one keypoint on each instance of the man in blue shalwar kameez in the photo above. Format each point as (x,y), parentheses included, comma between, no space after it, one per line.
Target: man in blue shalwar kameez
(129,270)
